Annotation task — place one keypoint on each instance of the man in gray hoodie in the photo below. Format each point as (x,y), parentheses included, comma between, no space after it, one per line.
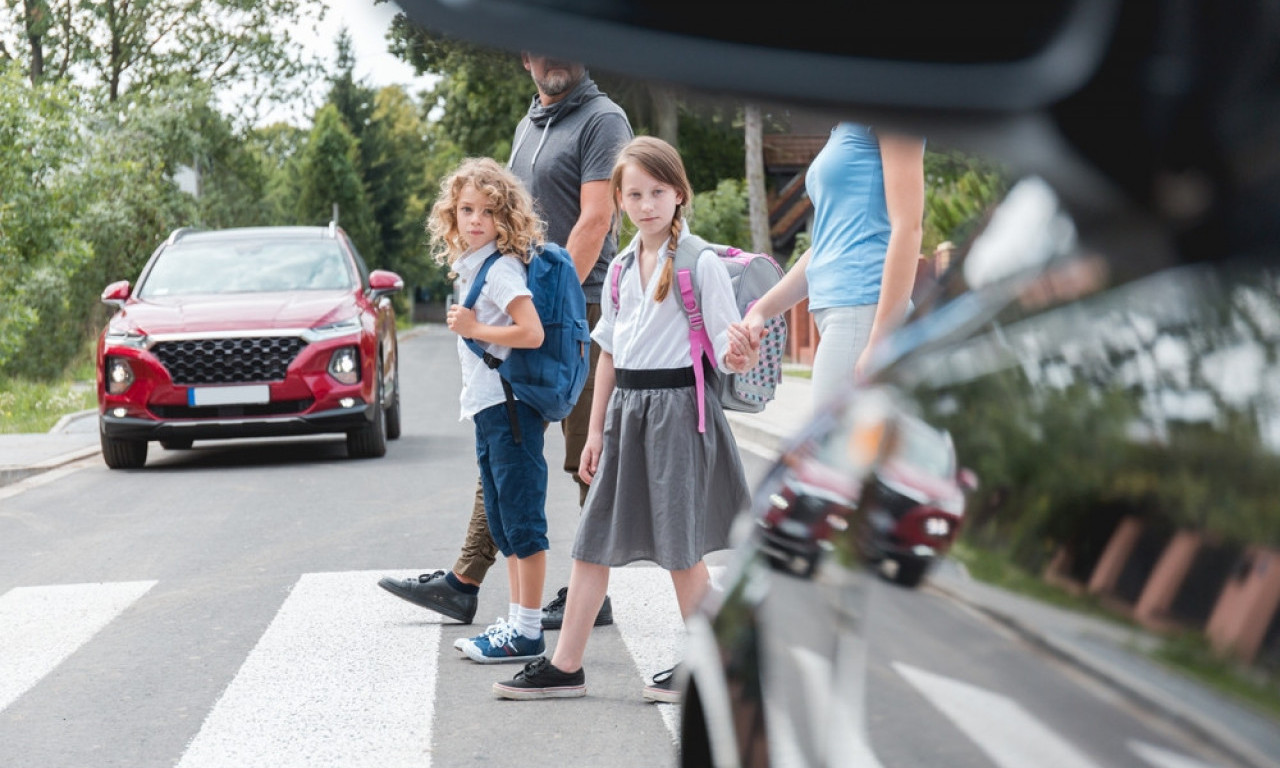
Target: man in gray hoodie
(563,150)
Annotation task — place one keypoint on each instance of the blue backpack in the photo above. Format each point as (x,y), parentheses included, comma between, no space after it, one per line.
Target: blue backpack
(551,377)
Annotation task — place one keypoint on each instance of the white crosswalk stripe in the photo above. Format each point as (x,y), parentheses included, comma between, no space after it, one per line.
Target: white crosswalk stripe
(314,691)
(41,626)
(337,679)
(1009,735)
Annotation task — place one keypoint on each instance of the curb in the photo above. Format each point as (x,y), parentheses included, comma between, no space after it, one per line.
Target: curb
(1141,694)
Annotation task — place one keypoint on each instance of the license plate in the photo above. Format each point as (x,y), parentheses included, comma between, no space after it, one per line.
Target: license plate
(248,394)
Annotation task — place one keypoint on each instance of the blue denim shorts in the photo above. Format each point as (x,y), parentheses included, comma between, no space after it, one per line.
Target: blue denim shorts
(514,477)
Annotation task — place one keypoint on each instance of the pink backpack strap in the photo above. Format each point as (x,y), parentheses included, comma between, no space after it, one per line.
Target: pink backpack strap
(699,340)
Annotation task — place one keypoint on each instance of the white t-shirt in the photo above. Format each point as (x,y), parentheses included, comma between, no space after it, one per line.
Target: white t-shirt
(642,334)
(506,281)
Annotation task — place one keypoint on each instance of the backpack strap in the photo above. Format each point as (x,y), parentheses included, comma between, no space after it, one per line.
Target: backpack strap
(493,362)
(686,261)
(472,297)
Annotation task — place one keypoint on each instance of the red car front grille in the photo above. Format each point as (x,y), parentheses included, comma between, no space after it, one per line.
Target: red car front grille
(228,361)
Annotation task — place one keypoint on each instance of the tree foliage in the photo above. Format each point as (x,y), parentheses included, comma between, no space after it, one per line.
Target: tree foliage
(124,46)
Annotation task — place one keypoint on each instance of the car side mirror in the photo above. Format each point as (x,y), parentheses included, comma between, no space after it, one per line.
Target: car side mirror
(967,479)
(383,282)
(116,294)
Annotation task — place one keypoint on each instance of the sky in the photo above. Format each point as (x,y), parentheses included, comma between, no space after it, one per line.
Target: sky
(367,24)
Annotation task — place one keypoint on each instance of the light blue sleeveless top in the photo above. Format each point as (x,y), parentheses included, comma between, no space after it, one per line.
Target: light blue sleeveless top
(850,219)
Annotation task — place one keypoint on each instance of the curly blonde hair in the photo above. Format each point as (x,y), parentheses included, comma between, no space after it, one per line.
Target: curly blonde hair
(661,161)
(520,230)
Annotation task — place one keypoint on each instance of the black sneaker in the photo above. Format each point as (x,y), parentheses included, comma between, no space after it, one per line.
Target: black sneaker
(663,688)
(553,612)
(540,679)
(431,590)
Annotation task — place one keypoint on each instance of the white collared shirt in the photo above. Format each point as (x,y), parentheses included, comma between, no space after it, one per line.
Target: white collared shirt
(642,334)
(506,281)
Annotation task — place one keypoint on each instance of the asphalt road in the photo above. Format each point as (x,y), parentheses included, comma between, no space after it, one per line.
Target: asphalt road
(219,607)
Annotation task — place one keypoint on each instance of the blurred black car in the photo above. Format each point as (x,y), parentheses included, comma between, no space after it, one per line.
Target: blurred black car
(1103,351)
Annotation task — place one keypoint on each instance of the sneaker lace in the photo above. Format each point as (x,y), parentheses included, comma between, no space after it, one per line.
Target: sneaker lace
(534,667)
(495,627)
(558,601)
(502,634)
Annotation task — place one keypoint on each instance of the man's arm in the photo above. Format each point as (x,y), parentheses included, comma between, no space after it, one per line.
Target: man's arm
(588,233)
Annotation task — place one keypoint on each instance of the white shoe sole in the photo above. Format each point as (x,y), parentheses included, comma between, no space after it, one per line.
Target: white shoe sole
(529,694)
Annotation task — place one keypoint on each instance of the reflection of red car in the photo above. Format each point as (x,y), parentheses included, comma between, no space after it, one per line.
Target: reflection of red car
(249,333)
(914,504)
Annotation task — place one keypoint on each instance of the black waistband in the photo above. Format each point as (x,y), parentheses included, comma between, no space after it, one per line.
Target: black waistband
(657,378)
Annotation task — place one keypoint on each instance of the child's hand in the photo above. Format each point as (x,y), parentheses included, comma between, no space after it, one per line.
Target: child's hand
(744,348)
(461,320)
(590,459)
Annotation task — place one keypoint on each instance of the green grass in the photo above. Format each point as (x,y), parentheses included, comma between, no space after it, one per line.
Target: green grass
(28,405)
(1187,653)
(35,406)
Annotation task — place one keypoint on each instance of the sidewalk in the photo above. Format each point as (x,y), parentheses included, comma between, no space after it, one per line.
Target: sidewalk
(1109,652)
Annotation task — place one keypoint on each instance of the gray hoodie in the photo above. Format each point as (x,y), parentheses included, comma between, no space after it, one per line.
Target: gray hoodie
(557,149)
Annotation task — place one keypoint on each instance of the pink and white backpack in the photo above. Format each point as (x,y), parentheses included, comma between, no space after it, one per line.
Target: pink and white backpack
(751,274)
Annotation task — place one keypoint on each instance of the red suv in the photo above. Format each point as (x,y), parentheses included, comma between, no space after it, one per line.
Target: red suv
(252,332)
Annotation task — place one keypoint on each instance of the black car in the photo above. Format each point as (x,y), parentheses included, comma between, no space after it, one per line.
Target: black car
(1103,351)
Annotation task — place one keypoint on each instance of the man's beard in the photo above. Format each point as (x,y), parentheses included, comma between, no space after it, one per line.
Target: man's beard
(559,82)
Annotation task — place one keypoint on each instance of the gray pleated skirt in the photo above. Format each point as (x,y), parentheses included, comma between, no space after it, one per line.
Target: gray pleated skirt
(662,491)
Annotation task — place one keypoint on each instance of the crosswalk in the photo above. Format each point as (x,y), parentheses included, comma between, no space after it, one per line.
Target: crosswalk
(337,679)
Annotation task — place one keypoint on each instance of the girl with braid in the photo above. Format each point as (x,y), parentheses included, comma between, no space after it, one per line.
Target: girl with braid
(660,489)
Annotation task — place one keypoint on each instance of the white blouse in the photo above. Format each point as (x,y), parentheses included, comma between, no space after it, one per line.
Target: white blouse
(642,334)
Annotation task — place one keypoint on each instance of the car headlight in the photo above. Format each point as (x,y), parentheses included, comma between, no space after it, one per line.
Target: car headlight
(937,527)
(119,375)
(344,365)
(126,338)
(333,330)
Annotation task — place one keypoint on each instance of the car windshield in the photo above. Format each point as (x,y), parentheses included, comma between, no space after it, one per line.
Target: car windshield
(925,448)
(247,266)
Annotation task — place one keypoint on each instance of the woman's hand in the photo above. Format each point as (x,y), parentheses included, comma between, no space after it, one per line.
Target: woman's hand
(744,347)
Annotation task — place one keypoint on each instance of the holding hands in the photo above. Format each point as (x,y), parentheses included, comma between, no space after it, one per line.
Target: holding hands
(744,347)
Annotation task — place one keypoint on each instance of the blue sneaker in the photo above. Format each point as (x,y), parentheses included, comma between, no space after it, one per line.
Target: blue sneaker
(462,642)
(504,645)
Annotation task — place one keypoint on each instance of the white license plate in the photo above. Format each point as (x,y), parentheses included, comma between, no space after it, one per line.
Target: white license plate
(244,395)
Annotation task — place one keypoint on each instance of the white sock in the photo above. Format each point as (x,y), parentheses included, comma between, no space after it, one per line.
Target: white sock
(529,621)
(513,613)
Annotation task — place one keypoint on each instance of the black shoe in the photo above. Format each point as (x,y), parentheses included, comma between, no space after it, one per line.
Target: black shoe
(540,679)
(430,590)
(663,688)
(553,612)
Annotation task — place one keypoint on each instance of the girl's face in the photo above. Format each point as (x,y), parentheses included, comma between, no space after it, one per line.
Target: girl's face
(649,203)
(475,217)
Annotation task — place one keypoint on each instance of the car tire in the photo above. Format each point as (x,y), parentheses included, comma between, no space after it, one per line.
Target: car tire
(123,454)
(393,409)
(176,444)
(370,440)
(910,572)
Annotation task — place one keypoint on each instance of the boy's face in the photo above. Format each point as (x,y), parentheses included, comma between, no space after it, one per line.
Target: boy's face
(475,217)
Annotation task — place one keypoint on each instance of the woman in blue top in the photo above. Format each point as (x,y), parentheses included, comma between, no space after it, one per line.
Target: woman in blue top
(867,189)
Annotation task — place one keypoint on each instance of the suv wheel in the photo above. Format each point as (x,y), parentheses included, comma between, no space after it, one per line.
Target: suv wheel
(370,440)
(393,408)
(123,454)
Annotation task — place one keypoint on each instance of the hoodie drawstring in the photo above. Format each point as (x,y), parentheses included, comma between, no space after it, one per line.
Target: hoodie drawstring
(536,150)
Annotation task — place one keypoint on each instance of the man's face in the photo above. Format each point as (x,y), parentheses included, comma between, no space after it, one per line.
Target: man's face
(554,77)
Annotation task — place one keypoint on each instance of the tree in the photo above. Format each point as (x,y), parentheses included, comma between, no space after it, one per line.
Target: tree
(329,177)
(125,45)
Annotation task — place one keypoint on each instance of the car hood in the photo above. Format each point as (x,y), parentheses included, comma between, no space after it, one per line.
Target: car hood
(235,312)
